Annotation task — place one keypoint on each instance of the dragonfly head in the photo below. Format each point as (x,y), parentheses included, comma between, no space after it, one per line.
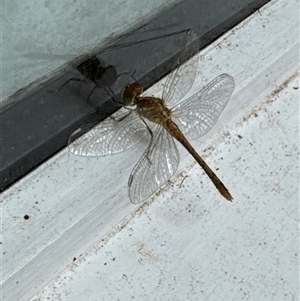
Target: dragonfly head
(130,92)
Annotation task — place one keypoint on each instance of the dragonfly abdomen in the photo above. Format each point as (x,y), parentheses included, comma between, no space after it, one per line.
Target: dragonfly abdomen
(174,130)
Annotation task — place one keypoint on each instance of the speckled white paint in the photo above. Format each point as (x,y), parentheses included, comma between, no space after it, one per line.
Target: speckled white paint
(186,242)
(185,246)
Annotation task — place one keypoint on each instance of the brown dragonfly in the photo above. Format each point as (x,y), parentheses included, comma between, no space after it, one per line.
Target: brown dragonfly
(160,120)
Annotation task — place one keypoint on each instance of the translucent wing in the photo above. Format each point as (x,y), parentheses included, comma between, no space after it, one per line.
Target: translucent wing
(180,81)
(198,114)
(156,166)
(108,137)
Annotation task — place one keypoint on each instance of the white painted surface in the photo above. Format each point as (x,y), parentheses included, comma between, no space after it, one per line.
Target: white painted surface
(41,36)
(185,243)
(186,246)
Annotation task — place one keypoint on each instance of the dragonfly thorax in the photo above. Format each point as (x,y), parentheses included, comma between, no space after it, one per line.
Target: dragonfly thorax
(153,109)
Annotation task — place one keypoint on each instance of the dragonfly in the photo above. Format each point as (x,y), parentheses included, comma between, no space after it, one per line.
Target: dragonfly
(160,120)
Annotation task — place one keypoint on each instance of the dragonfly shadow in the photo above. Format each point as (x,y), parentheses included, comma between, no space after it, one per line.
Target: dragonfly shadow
(102,75)
(95,81)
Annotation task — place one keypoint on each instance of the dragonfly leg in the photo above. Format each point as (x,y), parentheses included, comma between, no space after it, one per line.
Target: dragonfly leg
(124,116)
(131,72)
(73,79)
(148,128)
(149,160)
(151,134)
(91,93)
